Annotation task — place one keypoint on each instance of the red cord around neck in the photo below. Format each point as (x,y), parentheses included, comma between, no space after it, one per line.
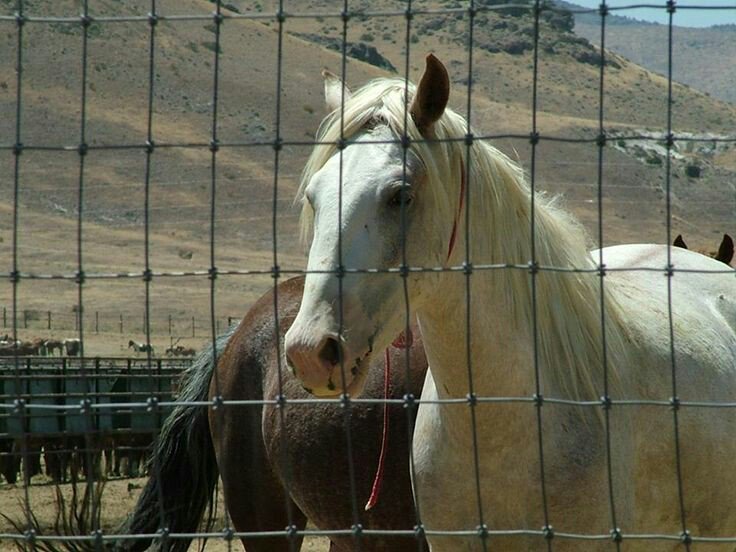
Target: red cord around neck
(404,341)
(378,479)
(453,234)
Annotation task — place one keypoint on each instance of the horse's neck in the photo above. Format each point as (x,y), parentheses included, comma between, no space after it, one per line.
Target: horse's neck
(497,343)
(501,322)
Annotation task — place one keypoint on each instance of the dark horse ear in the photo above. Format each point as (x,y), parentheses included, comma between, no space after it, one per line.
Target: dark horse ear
(679,242)
(725,251)
(432,95)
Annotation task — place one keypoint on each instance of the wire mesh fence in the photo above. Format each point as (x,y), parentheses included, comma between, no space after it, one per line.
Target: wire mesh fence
(569,405)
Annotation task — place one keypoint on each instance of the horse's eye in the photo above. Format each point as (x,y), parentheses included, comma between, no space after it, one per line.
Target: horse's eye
(401,196)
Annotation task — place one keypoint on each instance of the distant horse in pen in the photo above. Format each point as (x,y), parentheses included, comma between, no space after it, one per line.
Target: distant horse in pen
(141,347)
(280,466)
(515,340)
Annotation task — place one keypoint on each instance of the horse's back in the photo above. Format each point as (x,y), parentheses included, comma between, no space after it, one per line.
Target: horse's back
(682,336)
(701,302)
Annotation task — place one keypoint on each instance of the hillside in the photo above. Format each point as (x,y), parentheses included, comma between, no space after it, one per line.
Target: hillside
(180,183)
(702,57)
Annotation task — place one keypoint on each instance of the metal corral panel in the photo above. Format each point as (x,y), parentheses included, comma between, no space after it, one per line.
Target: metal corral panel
(62,382)
(36,385)
(144,384)
(97,387)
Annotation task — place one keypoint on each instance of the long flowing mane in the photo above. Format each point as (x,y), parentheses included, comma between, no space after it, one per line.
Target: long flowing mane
(568,312)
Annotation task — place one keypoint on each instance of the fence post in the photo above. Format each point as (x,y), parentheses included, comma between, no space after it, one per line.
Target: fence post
(193,327)
(97,322)
(169,325)
(5,317)
(25,319)
(121,323)
(48,313)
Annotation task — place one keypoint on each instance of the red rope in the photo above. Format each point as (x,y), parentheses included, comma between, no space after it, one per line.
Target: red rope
(453,234)
(378,480)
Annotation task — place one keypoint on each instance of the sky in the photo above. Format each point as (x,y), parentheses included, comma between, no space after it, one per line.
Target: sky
(683,17)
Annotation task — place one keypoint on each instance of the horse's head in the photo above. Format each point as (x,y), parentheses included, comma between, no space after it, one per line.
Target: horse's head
(370,207)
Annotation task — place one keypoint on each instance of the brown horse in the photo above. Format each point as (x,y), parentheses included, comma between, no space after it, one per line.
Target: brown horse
(281,465)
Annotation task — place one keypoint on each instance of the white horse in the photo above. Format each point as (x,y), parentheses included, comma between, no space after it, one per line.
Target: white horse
(530,332)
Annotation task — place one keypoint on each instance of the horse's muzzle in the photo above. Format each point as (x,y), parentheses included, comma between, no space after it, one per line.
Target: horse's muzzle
(319,364)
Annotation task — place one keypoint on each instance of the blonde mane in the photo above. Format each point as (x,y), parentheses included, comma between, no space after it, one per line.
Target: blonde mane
(568,313)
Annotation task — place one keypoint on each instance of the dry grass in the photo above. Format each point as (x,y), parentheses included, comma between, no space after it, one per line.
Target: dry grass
(118,499)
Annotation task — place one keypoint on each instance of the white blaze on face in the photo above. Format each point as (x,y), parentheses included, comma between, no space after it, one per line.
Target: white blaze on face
(357,200)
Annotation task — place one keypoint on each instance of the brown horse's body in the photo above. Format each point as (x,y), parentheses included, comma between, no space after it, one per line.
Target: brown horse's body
(262,451)
(280,467)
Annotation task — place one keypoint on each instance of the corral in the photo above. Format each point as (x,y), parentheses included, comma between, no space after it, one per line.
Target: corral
(81,424)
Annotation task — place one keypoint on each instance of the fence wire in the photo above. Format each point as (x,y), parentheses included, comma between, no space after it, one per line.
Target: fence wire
(23,406)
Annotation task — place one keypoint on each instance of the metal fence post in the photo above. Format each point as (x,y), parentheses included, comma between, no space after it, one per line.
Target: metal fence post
(193,335)
(48,313)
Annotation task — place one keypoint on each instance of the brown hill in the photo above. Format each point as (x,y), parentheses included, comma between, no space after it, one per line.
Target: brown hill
(702,56)
(180,178)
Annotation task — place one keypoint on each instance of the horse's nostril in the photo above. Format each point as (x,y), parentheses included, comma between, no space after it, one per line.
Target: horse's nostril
(331,351)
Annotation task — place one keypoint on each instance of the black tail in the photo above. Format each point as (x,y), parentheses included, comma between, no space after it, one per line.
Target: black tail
(183,468)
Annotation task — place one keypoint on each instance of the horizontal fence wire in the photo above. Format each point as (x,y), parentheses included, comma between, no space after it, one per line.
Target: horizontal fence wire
(157,397)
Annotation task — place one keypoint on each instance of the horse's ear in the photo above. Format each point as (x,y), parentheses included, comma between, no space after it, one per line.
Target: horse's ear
(679,242)
(334,91)
(725,251)
(432,95)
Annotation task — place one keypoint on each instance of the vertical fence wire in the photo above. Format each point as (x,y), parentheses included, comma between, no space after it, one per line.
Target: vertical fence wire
(409,400)
(669,274)
(19,403)
(534,274)
(292,530)
(85,409)
(482,528)
(605,399)
(150,146)
(345,401)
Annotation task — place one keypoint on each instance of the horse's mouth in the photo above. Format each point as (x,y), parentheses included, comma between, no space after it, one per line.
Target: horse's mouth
(355,376)
(346,373)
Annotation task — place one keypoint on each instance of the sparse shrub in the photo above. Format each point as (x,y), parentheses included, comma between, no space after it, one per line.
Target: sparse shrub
(212,47)
(367,37)
(693,171)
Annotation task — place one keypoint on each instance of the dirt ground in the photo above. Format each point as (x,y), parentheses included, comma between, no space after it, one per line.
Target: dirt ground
(118,499)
